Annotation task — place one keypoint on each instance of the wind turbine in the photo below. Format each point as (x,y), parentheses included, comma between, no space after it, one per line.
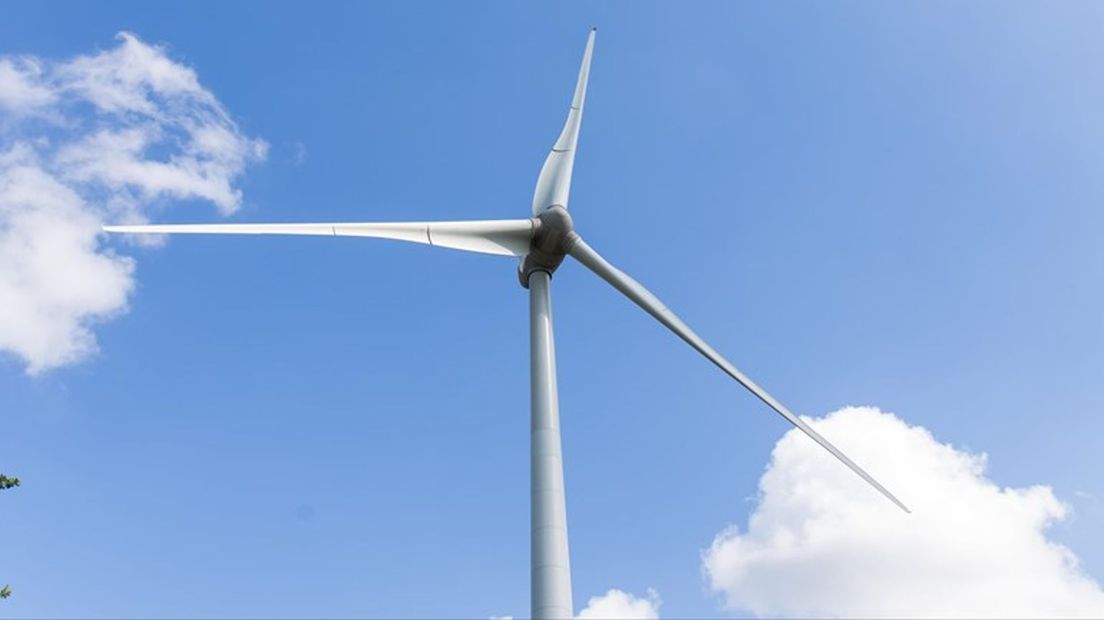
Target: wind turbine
(541,242)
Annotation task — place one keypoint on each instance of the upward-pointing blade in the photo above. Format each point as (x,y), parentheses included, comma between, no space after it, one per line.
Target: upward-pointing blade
(554,182)
(653,306)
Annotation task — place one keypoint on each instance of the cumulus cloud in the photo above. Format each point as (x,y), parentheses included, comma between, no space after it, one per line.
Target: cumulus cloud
(821,543)
(617,604)
(112,134)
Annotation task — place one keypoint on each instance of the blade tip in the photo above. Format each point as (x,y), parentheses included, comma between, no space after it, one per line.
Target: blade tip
(900,504)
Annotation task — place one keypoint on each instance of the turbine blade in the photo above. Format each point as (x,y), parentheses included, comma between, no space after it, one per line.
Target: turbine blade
(653,306)
(502,237)
(554,182)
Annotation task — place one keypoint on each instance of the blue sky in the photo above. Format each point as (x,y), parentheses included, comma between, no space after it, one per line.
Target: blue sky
(860,204)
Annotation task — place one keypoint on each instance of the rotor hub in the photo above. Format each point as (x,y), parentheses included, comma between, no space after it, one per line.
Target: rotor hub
(553,237)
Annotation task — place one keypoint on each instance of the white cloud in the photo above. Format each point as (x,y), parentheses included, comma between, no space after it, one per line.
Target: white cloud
(821,543)
(618,604)
(108,135)
(136,77)
(19,85)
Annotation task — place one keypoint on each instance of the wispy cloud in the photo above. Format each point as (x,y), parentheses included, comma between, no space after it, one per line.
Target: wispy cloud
(821,543)
(106,135)
(20,88)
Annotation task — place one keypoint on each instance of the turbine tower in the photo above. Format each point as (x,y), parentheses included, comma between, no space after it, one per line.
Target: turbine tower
(541,242)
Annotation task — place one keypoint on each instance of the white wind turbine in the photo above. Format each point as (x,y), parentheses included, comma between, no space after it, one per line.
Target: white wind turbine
(541,242)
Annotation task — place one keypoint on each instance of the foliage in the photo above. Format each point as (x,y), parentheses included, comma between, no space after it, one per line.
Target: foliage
(7,483)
